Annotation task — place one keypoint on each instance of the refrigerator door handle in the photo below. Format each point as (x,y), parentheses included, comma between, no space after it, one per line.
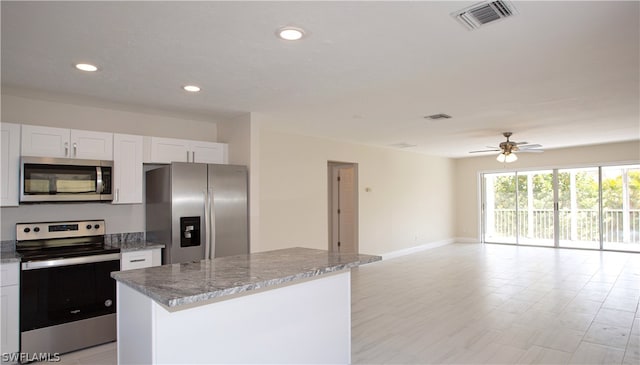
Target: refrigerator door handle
(207,225)
(212,223)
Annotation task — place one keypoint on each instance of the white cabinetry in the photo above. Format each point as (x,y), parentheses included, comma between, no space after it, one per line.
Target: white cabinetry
(140,259)
(167,150)
(209,152)
(9,311)
(127,169)
(10,164)
(69,143)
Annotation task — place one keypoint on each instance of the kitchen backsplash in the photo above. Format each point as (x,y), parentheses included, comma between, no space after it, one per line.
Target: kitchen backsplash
(115,238)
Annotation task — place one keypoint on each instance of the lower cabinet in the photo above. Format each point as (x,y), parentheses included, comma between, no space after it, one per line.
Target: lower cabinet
(9,309)
(140,259)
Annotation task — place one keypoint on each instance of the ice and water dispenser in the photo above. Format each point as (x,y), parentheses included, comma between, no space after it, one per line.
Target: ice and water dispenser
(190,231)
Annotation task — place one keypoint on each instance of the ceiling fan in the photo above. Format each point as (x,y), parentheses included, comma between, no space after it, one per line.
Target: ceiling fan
(508,148)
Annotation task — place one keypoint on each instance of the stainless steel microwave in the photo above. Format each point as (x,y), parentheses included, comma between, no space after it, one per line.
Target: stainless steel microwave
(44,179)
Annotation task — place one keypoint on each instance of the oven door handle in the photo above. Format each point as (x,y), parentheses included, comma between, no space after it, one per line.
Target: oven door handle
(32,265)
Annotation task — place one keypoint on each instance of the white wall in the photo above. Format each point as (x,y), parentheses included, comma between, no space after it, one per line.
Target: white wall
(237,133)
(119,218)
(409,203)
(467,172)
(23,110)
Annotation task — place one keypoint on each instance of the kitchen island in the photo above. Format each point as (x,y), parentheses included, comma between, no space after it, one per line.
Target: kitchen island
(284,306)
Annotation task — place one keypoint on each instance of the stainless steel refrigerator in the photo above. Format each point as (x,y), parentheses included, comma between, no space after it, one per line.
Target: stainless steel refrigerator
(197,210)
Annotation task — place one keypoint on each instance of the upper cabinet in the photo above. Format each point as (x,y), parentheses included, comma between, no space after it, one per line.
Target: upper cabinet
(69,143)
(167,150)
(127,166)
(10,164)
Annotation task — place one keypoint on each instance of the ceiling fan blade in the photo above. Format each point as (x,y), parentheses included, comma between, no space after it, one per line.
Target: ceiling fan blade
(519,143)
(530,151)
(529,146)
(493,150)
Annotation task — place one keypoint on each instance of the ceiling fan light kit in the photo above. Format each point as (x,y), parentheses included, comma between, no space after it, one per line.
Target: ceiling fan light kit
(508,148)
(507,157)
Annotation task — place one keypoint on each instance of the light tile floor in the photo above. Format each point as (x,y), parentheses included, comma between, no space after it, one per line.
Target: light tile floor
(473,304)
(495,304)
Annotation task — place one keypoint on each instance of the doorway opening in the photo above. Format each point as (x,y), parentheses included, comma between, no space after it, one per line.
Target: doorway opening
(343,206)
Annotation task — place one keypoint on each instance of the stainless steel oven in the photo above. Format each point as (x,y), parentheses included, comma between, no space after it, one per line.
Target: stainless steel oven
(67,295)
(45,179)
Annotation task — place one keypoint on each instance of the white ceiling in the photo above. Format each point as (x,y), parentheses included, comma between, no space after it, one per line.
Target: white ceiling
(558,73)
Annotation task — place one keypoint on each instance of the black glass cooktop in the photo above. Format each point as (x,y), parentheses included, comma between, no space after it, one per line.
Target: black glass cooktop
(39,254)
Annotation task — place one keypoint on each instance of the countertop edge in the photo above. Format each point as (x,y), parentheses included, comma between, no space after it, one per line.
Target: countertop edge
(175,301)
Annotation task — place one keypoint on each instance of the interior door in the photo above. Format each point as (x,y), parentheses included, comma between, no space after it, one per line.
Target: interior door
(343,211)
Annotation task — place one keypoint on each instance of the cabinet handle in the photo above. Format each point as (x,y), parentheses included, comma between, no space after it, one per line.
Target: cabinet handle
(118,194)
(193,156)
(66,148)
(187,156)
(75,149)
(138,260)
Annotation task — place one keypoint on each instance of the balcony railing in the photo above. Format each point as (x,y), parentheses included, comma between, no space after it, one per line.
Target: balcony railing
(583,226)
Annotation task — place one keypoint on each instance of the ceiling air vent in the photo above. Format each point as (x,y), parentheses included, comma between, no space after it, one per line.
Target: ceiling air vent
(402,145)
(483,13)
(438,116)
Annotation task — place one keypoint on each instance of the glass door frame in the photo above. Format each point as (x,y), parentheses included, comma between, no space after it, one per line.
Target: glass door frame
(556,198)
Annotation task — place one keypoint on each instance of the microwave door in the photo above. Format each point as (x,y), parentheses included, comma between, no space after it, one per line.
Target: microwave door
(52,180)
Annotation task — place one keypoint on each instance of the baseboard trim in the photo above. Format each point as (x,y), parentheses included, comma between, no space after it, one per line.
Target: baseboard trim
(410,250)
(467,240)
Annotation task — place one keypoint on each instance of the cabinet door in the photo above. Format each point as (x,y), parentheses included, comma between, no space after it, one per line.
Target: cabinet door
(9,299)
(45,141)
(167,150)
(9,164)
(208,152)
(9,312)
(91,145)
(127,169)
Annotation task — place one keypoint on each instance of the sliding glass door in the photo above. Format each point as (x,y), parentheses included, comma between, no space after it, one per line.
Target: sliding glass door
(500,208)
(535,203)
(621,208)
(592,208)
(578,208)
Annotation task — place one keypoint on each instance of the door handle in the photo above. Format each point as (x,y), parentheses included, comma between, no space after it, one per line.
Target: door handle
(212,222)
(207,226)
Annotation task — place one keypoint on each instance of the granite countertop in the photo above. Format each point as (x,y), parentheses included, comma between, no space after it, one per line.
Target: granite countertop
(9,257)
(180,284)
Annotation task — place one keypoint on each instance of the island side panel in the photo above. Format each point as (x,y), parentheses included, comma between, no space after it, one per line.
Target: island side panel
(135,326)
(309,322)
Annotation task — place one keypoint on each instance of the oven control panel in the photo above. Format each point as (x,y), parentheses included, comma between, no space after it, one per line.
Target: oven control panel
(49,230)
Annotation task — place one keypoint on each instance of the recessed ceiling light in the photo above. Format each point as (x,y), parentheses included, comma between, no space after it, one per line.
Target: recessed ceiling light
(86,67)
(191,88)
(290,33)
